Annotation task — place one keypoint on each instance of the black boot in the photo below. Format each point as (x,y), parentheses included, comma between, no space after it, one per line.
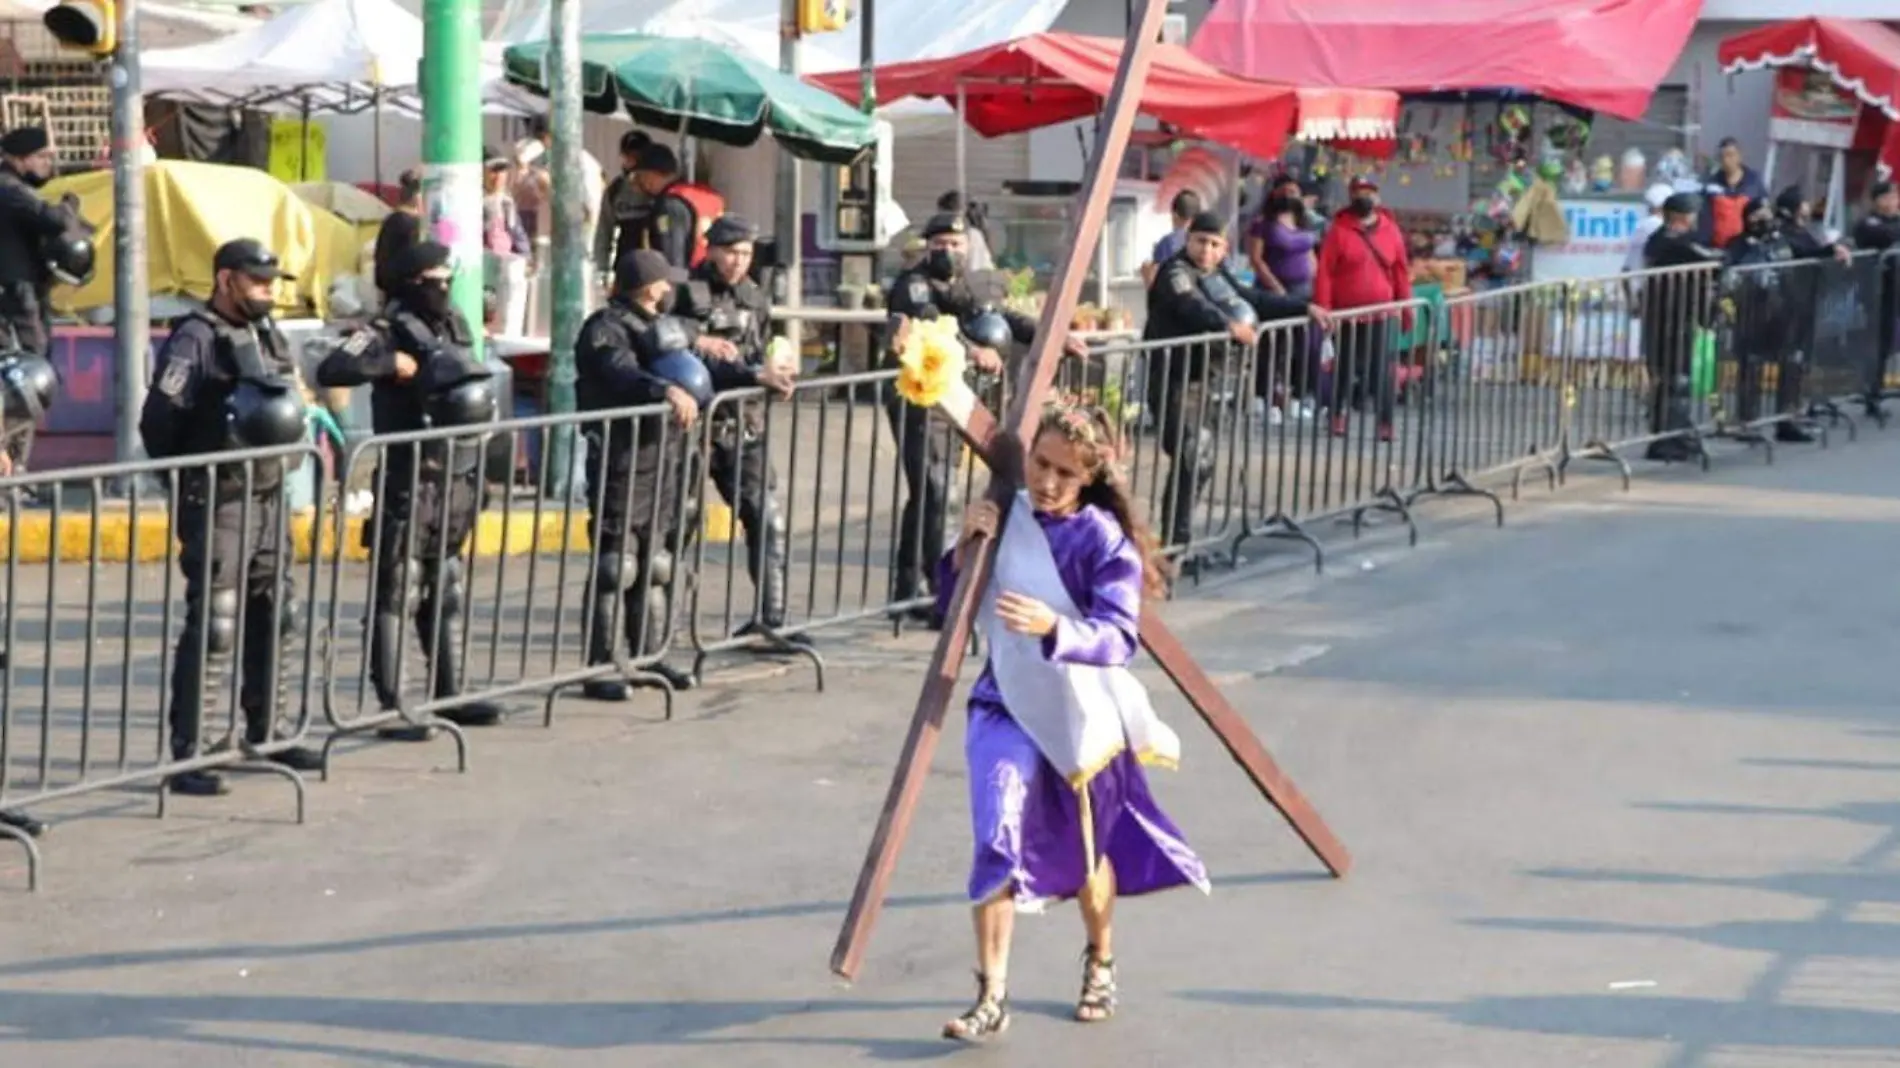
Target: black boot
(22,822)
(600,648)
(445,649)
(385,656)
(767,564)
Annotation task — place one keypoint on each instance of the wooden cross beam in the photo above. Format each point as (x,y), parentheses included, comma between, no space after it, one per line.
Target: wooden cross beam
(1002,448)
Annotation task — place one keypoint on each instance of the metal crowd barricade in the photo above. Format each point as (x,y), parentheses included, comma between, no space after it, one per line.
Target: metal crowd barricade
(528,568)
(1338,422)
(1850,337)
(1497,378)
(91,649)
(833,473)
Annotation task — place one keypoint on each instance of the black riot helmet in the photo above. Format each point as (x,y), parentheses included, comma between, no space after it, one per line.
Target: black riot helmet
(457,390)
(260,415)
(70,256)
(28,385)
(989,330)
(469,402)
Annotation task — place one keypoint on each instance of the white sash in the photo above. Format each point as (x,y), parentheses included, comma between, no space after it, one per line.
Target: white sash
(1079,716)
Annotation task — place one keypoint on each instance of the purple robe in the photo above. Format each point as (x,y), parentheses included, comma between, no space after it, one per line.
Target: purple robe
(1026,817)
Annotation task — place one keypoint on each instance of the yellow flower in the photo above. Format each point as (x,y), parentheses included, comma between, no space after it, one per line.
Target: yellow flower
(931,361)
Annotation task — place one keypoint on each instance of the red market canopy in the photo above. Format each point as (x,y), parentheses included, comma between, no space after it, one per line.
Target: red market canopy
(1862,57)
(1050,78)
(1603,55)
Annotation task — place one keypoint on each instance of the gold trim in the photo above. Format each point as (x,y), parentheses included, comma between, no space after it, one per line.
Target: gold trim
(1146,756)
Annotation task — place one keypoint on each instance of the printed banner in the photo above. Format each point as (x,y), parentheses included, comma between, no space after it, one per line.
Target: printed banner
(1809,109)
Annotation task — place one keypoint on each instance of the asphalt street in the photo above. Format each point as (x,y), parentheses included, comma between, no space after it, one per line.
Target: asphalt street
(1620,778)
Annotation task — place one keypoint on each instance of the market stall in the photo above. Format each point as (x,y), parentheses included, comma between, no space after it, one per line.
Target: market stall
(191,209)
(1602,55)
(1837,89)
(340,56)
(1469,169)
(1050,78)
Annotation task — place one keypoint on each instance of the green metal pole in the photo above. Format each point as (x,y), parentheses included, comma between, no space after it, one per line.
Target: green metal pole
(569,220)
(452,143)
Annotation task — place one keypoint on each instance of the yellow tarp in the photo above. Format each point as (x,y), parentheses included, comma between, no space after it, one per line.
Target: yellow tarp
(191,209)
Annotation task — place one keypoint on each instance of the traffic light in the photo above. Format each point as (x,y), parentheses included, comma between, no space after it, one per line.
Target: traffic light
(86,25)
(823,16)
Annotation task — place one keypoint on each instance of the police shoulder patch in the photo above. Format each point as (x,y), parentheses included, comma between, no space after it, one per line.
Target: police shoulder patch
(919,291)
(176,377)
(1180,282)
(357,343)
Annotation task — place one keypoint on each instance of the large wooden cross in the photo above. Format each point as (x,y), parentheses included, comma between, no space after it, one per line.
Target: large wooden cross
(1002,448)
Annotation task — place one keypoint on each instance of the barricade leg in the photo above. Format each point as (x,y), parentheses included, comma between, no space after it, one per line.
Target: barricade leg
(32,849)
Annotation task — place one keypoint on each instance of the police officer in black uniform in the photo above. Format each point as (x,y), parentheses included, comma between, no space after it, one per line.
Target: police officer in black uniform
(941,284)
(623,207)
(669,226)
(27,225)
(27,388)
(1879,231)
(1674,306)
(1774,308)
(418,356)
(226,378)
(1193,294)
(633,352)
(733,314)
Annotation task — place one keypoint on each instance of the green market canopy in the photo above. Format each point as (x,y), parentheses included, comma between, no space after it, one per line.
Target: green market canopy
(711,91)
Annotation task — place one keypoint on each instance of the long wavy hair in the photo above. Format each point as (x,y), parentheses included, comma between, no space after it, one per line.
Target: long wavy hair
(1094,435)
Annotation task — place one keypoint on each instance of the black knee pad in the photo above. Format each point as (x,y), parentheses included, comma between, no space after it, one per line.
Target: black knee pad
(660,572)
(615,572)
(221,621)
(448,586)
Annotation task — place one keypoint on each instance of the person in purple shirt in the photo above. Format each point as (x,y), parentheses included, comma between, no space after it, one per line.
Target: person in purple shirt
(1281,243)
(1035,829)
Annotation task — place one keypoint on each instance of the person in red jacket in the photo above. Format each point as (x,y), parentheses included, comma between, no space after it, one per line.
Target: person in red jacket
(1362,264)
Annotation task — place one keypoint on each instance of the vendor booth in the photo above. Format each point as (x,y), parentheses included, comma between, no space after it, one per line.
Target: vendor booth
(1837,90)
(1051,78)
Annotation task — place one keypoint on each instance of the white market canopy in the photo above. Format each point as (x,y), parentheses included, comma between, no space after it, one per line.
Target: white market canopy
(906,30)
(333,55)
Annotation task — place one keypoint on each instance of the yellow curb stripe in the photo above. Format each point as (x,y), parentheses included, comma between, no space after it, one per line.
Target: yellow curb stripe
(495,535)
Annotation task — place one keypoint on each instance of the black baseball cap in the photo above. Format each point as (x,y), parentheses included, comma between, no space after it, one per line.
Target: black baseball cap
(1206,222)
(944,222)
(657,158)
(643,267)
(731,230)
(252,258)
(1682,204)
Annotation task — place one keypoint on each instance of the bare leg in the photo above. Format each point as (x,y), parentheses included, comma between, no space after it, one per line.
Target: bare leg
(995,923)
(1097,899)
(1098,910)
(995,927)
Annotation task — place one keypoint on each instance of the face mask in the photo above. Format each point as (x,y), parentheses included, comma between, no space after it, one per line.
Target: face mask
(943,264)
(1759,227)
(33,178)
(665,305)
(255,310)
(1363,206)
(429,298)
